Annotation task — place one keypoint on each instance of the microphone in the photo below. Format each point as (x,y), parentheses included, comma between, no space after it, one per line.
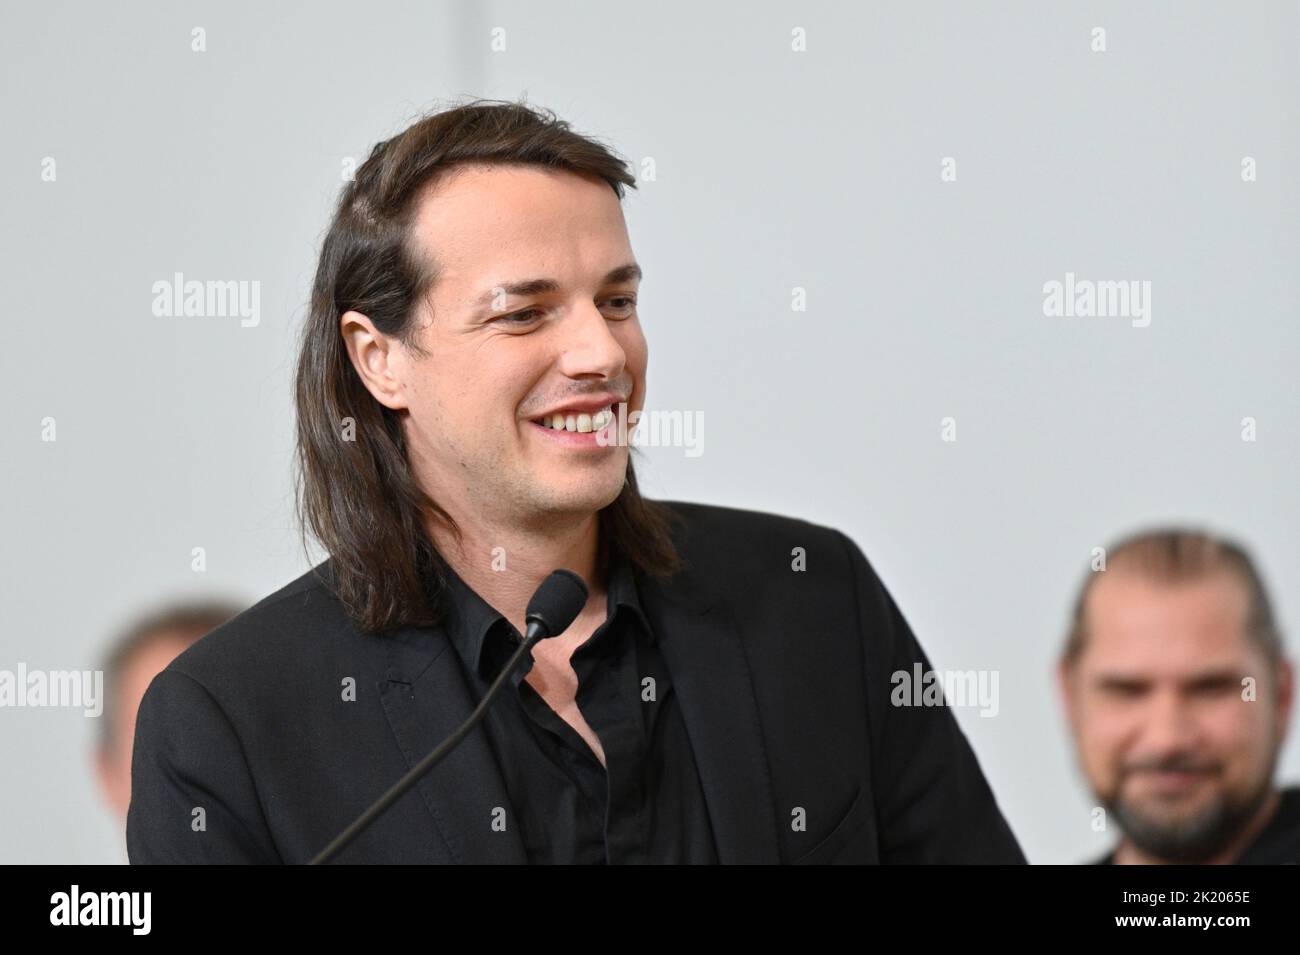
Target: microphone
(555,605)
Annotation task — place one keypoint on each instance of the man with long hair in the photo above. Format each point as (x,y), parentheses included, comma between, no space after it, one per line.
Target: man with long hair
(471,359)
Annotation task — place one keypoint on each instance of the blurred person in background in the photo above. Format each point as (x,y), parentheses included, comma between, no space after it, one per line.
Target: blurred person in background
(134,658)
(1178,695)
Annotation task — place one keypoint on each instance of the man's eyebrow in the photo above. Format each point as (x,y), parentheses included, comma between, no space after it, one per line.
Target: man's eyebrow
(1209,675)
(1121,679)
(624,273)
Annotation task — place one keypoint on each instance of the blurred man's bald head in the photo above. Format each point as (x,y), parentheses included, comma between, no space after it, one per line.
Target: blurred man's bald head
(135,656)
(1175,556)
(1178,694)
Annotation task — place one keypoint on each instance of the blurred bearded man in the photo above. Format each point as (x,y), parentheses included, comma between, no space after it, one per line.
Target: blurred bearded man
(1178,696)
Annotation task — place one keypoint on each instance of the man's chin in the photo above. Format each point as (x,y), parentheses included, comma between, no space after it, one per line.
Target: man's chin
(579,497)
(1186,830)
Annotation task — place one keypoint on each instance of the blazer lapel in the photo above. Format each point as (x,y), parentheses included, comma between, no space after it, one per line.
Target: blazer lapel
(426,700)
(702,648)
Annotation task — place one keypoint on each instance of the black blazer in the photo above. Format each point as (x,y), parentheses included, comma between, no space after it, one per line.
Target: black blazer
(247,751)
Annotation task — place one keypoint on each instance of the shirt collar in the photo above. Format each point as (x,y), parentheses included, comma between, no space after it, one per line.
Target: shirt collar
(470,618)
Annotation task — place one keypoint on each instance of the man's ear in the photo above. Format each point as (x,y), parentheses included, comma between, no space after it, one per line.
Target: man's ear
(377,359)
(1066,689)
(1285,694)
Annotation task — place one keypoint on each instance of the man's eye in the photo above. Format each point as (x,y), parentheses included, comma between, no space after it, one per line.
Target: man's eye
(521,318)
(624,304)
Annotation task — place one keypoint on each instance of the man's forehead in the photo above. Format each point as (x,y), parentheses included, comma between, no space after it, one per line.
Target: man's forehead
(1132,617)
(490,226)
(520,203)
(1123,592)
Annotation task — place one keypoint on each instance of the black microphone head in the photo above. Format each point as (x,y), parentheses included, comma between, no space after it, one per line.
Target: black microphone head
(557,602)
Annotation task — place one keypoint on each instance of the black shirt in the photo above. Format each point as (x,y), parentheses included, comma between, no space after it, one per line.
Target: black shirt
(1278,843)
(645,805)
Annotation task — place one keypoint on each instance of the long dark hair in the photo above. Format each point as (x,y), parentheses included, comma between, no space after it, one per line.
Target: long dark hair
(355,492)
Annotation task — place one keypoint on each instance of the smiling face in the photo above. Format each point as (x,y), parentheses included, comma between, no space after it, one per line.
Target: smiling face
(1155,701)
(533,310)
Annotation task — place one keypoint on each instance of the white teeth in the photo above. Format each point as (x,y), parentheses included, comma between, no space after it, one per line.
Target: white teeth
(581,423)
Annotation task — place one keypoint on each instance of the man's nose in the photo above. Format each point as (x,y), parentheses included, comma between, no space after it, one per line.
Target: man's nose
(588,345)
(1170,724)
